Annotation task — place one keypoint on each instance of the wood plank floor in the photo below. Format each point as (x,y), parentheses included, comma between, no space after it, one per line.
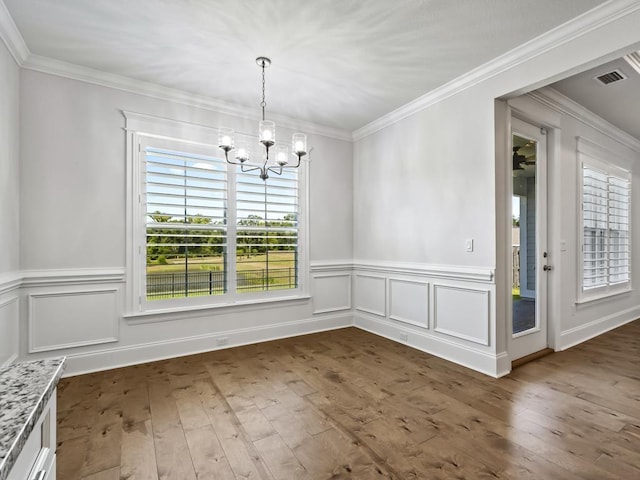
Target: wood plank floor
(348,404)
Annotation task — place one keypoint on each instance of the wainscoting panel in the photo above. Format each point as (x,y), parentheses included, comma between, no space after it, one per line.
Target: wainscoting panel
(371,294)
(64,319)
(331,292)
(8,330)
(462,313)
(409,301)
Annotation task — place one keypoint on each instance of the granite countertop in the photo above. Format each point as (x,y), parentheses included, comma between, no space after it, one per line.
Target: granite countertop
(25,389)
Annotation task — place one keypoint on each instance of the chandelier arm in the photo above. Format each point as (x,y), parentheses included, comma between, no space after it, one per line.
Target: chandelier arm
(226,157)
(297,164)
(245,169)
(243,166)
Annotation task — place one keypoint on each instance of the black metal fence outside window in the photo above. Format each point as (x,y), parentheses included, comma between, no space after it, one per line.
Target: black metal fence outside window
(187,284)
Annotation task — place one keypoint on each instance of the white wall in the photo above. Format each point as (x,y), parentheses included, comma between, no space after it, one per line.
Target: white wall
(72,226)
(9,220)
(426,183)
(9,224)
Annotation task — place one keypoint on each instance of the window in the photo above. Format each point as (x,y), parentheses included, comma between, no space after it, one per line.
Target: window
(605,228)
(205,233)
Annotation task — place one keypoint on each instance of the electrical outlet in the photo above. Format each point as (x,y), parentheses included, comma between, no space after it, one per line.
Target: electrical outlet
(222,341)
(404,337)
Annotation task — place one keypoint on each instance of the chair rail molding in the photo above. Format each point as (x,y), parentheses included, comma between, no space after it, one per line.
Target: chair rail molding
(10,282)
(452,272)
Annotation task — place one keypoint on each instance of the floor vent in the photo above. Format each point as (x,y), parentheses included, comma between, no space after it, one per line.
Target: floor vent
(610,77)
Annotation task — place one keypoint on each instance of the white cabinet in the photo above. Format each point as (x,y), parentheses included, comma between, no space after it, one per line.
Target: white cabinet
(37,460)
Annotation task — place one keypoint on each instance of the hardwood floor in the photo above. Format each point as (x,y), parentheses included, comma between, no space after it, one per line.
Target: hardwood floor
(348,404)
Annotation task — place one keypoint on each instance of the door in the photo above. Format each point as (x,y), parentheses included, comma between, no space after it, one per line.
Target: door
(528,255)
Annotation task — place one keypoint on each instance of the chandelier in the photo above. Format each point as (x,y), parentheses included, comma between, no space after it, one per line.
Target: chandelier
(267,137)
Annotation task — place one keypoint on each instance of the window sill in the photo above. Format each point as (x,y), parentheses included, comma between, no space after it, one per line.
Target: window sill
(168,314)
(601,296)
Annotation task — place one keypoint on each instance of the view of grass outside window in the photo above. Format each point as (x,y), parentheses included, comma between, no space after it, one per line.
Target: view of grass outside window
(188,213)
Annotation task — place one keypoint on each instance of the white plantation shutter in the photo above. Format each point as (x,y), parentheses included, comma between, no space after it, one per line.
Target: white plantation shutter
(605,220)
(186,222)
(619,249)
(267,231)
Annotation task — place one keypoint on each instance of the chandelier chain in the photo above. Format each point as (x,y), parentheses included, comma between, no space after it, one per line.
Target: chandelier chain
(263,104)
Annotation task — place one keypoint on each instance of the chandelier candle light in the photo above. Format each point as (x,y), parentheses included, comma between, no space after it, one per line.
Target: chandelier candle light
(267,131)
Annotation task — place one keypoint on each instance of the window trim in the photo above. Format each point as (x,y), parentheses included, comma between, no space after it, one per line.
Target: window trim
(140,126)
(609,163)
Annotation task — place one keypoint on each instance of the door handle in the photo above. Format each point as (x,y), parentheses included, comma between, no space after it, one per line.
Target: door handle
(547,268)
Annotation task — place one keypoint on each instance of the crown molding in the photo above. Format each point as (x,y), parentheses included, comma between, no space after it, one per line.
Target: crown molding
(633,59)
(120,82)
(11,36)
(575,28)
(557,101)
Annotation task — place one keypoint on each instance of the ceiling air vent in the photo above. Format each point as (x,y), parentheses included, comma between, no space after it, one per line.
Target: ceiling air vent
(610,77)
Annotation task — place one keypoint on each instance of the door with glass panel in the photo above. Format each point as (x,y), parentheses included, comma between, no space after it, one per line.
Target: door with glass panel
(528,255)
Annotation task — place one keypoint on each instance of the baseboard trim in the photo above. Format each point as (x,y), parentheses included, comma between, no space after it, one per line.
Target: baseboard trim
(9,360)
(486,363)
(503,362)
(582,333)
(81,363)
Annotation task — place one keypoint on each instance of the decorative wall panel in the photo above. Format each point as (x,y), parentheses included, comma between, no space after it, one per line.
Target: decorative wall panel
(462,313)
(409,301)
(72,318)
(331,292)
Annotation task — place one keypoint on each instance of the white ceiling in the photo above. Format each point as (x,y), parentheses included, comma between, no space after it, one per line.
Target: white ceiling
(340,63)
(618,102)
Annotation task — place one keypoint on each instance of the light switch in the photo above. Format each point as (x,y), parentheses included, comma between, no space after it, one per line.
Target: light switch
(563,245)
(469,244)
